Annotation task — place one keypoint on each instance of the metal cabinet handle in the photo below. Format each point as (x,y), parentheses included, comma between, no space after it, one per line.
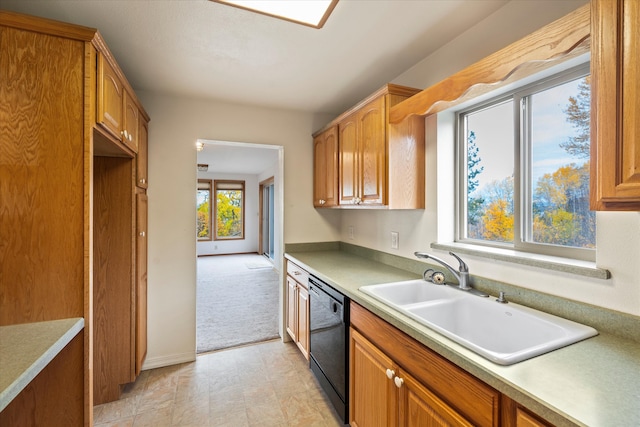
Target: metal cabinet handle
(390,373)
(142,234)
(398,381)
(143,181)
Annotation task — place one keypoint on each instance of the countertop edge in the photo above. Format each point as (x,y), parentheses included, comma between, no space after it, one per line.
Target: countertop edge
(41,360)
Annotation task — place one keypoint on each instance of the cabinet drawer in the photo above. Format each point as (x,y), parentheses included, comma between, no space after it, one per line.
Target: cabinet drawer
(300,275)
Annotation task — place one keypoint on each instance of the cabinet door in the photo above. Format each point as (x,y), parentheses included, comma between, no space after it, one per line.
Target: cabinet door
(373,153)
(615,105)
(420,407)
(110,98)
(348,162)
(130,122)
(141,279)
(372,394)
(325,170)
(303,320)
(292,302)
(142,168)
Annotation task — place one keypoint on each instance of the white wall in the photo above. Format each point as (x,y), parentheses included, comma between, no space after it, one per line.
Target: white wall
(251,218)
(176,124)
(618,236)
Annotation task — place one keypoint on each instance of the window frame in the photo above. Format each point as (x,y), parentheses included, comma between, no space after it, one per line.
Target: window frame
(522,191)
(205,183)
(219,184)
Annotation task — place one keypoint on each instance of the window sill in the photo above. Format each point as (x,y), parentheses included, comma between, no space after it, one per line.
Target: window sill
(565,265)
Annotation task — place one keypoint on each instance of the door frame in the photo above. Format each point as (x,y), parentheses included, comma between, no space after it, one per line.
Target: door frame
(261,185)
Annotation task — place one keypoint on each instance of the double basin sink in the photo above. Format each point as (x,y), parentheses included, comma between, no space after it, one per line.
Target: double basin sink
(504,333)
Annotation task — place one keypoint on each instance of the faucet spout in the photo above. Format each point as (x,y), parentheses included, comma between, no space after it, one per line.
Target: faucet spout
(462,274)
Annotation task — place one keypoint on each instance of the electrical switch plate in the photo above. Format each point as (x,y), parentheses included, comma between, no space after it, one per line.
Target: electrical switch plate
(351,232)
(394,240)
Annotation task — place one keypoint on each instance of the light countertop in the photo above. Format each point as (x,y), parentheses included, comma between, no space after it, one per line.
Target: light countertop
(26,349)
(595,382)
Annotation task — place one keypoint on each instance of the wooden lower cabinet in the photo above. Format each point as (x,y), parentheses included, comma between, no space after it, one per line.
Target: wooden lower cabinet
(397,381)
(298,307)
(383,394)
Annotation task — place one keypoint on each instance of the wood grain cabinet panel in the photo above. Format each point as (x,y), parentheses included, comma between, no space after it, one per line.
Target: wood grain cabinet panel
(379,165)
(68,235)
(45,246)
(142,167)
(298,307)
(142,207)
(325,168)
(382,394)
(428,387)
(615,105)
(110,98)
(130,122)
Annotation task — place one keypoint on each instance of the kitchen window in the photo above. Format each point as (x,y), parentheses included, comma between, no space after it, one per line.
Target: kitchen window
(229,208)
(523,169)
(203,210)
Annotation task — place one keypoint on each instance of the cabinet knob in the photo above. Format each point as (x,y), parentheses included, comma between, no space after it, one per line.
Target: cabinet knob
(390,373)
(296,273)
(142,234)
(126,134)
(398,381)
(143,181)
(130,137)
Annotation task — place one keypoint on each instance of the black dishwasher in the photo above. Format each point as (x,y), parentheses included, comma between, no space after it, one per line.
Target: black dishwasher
(329,342)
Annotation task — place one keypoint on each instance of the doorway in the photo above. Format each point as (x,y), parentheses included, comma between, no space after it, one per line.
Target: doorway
(261,168)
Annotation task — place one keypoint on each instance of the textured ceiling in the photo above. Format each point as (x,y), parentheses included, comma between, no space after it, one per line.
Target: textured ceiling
(204,49)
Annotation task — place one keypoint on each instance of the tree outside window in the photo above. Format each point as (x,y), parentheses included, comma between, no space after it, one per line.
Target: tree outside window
(229,208)
(203,210)
(525,169)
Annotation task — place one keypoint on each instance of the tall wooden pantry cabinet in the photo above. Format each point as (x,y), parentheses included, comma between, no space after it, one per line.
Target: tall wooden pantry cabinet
(72,219)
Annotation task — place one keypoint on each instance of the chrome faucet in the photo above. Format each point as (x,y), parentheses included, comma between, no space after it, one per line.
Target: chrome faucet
(462,274)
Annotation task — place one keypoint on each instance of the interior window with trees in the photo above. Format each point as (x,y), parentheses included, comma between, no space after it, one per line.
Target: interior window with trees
(523,162)
(203,210)
(229,209)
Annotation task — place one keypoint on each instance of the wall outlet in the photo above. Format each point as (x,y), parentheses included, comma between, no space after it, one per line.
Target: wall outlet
(352,232)
(394,240)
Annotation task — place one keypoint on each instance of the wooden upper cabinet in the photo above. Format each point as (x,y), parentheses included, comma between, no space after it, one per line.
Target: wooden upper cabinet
(130,122)
(325,168)
(142,168)
(110,98)
(348,159)
(118,112)
(372,153)
(379,165)
(615,105)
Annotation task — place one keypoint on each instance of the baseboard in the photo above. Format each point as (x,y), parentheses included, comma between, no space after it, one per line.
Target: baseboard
(172,359)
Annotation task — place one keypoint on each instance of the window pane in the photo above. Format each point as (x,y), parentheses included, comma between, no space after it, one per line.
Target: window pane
(203,210)
(489,139)
(229,214)
(560,166)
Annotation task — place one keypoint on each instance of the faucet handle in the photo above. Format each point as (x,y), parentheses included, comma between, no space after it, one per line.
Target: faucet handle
(463,265)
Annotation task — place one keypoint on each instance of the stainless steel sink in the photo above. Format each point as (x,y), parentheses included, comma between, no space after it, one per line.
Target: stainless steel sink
(503,333)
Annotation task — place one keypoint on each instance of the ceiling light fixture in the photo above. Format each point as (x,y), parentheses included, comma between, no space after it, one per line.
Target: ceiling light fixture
(312,13)
(199,145)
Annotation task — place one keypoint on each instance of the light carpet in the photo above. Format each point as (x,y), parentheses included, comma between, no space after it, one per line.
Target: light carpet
(237,301)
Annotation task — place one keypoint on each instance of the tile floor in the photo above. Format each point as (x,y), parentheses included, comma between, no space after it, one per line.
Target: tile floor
(266,384)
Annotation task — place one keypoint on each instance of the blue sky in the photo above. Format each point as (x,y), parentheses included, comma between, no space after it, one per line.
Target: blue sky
(494,135)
